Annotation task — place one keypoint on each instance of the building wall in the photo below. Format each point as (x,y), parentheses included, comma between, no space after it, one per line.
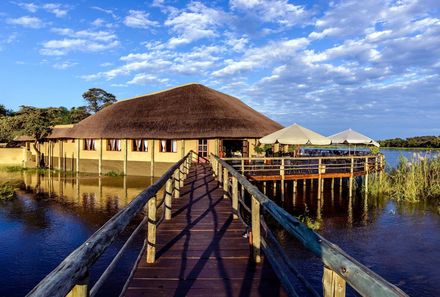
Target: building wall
(11,156)
(138,163)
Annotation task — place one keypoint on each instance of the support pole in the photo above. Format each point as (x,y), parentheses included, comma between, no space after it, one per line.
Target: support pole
(282,179)
(256,230)
(80,289)
(78,149)
(151,236)
(235,197)
(177,183)
(350,181)
(101,143)
(367,169)
(168,198)
(152,157)
(125,147)
(225,183)
(60,154)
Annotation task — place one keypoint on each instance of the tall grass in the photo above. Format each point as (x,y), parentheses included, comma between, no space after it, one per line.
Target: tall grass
(413,180)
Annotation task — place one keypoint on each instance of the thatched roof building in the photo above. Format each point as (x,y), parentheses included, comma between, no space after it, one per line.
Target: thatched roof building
(186,112)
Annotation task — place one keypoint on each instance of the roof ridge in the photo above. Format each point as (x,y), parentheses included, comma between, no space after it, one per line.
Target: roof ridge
(161,91)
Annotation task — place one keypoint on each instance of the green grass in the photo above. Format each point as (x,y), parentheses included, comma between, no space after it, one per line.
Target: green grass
(7,189)
(412,181)
(114,173)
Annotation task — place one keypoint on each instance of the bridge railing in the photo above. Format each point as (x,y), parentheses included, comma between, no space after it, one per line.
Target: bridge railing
(339,267)
(284,166)
(70,278)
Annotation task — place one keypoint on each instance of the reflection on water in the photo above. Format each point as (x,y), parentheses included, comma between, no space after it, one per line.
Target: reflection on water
(52,216)
(399,241)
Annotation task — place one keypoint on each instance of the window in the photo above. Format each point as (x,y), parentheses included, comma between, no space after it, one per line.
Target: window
(168,146)
(203,148)
(140,145)
(89,145)
(114,145)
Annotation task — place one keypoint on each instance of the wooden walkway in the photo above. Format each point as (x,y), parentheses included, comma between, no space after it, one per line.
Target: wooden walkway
(201,250)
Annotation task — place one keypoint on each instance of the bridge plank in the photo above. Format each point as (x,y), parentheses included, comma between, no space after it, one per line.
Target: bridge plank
(201,250)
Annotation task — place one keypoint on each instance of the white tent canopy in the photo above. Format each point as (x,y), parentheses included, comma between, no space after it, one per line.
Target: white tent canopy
(352,137)
(295,135)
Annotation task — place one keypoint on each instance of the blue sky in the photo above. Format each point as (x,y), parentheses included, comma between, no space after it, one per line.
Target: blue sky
(370,65)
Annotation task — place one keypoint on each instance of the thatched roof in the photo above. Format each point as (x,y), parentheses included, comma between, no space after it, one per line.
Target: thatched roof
(185,112)
(61,131)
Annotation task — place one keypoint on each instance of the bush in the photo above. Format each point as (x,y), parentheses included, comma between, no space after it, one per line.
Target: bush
(7,189)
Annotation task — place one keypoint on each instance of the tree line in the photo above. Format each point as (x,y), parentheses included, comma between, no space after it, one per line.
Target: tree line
(412,142)
(37,122)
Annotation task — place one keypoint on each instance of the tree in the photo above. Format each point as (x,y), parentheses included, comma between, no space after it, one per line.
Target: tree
(98,99)
(5,112)
(36,123)
(78,114)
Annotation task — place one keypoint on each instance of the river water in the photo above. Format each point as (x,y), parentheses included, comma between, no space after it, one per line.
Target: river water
(56,214)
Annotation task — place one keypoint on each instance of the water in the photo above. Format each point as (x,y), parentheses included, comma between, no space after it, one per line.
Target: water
(399,241)
(56,215)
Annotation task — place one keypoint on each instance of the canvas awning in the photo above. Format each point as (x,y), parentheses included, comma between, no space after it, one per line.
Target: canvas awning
(352,137)
(295,135)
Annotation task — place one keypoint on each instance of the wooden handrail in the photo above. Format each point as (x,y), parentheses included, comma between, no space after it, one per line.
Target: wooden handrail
(75,267)
(300,158)
(362,279)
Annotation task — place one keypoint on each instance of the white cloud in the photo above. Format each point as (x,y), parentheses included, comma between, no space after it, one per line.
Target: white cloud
(82,41)
(195,22)
(57,9)
(146,79)
(139,19)
(278,11)
(27,22)
(106,11)
(64,65)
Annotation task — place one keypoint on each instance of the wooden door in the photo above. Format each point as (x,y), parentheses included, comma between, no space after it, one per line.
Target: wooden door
(202,150)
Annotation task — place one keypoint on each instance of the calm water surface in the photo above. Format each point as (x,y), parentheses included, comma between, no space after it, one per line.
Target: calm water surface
(56,214)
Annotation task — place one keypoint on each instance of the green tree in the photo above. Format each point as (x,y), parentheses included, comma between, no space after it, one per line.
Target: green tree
(78,114)
(36,123)
(98,99)
(5,112)
(7,129)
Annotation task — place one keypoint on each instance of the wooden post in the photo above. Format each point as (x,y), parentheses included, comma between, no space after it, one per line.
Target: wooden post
(264,188)
(225,183)
(168,198)
(333,184)
(256,230)
(235,197)
(242,166)
(220,174)
(367,169)
(78,149)
(101,142)
(152,158)
(181,175)
(333,284)
(60,155)
(295,184)
(274,188)
(319,176)
(177,183)
(125,147)
(49,150)
(282,179)
(151,236)
(80,289)
(350,181)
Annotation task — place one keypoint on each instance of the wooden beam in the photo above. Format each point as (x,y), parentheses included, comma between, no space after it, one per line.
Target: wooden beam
(78,154)
(125,150)
(225,183)
(152,158)
(101,143)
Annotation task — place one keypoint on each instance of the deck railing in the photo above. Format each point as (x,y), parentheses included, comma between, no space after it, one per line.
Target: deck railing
(71,276)
(339,267)
(303,166)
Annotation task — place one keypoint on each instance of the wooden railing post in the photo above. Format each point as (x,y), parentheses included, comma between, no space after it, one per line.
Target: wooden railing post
(181,176)
(282,178)
(235,197)
(80,289)
(220,174)
(151,236)
(168,198)
(333,285)
(256,242)
(350,183)
(177,183)
(242,166)
(367,169)
(225,183)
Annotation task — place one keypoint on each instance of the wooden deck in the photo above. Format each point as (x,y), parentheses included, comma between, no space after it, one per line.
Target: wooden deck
(201,250)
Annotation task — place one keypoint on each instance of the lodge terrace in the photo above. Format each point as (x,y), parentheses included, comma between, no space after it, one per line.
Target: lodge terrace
(145,135)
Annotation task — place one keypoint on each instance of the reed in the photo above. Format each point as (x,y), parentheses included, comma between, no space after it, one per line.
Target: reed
(413,180)
(8,189)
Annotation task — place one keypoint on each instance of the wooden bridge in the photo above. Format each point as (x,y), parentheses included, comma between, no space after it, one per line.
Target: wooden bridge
(195,244)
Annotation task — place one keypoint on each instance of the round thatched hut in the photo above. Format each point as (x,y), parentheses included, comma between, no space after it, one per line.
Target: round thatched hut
(159,128)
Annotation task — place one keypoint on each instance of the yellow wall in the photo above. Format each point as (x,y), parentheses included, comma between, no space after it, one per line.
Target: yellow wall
(11,156)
